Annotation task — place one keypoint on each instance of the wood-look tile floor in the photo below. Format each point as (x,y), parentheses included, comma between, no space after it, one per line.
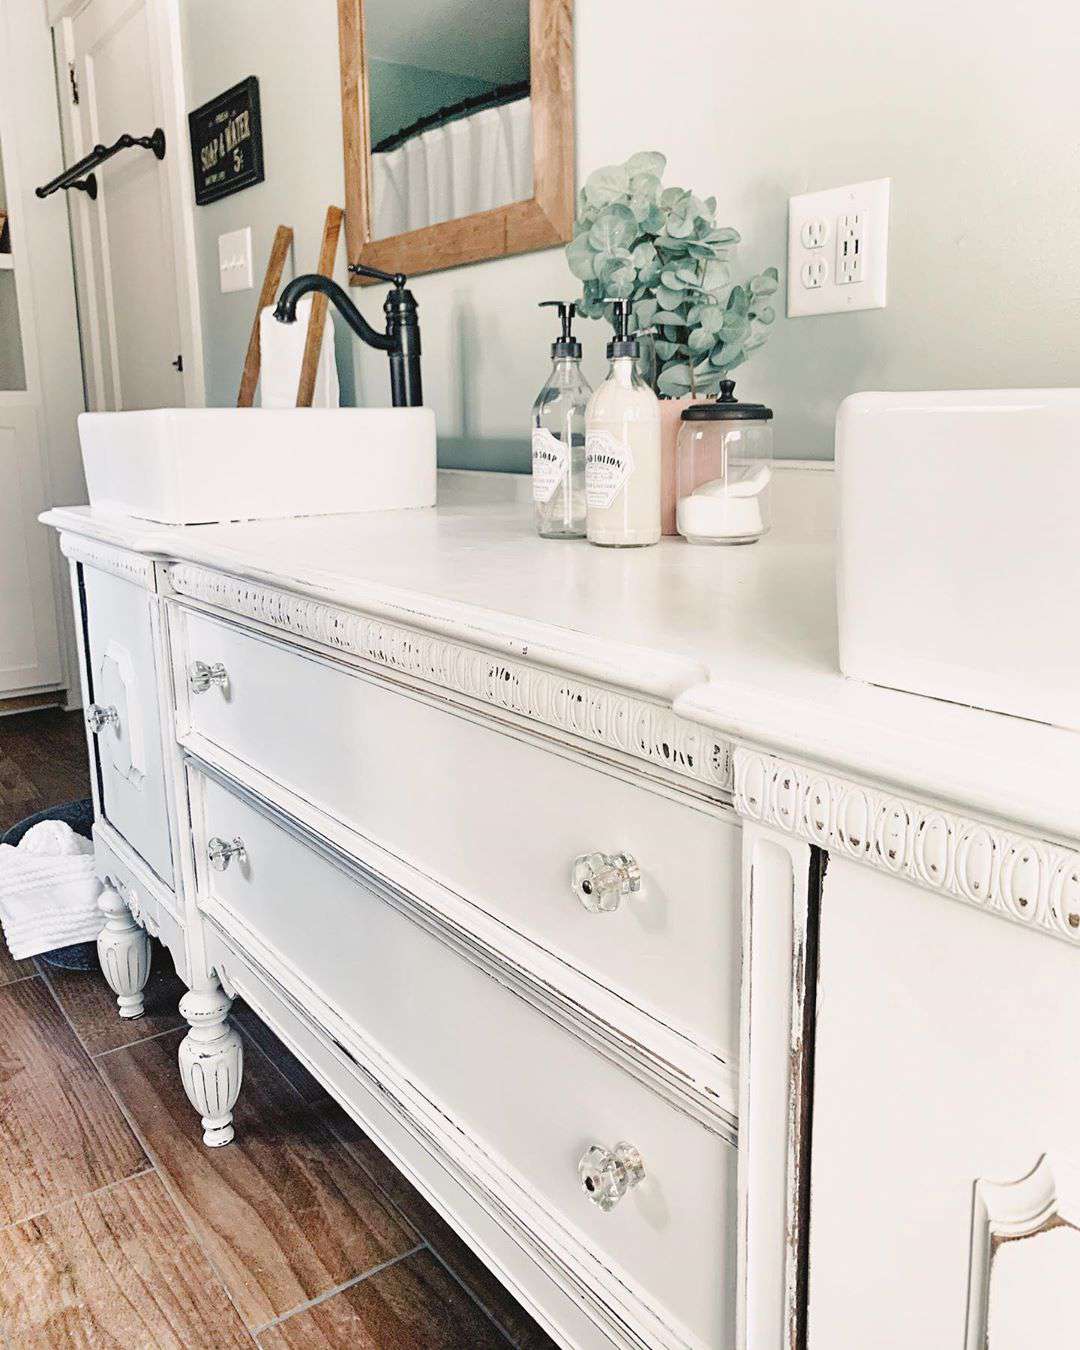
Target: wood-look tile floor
(118,1228)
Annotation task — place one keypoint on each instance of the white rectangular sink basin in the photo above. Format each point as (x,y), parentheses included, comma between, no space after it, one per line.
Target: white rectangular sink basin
(189,466)
(959,568)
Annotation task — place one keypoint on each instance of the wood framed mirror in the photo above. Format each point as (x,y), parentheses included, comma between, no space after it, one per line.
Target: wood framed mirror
(458,119)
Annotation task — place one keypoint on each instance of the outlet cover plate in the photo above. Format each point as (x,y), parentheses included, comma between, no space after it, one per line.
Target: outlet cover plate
(829,293)
(234,260)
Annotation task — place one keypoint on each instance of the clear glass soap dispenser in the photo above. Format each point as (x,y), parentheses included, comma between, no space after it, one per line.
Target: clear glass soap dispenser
(558,438)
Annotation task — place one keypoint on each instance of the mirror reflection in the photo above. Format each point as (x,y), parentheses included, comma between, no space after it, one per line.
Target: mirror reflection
(449,109)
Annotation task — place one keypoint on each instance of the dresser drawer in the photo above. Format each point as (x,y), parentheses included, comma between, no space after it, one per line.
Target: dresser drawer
(524,1093)
(490,814)
(121,682)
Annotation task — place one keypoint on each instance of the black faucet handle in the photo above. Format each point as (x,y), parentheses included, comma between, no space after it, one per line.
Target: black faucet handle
(398,279)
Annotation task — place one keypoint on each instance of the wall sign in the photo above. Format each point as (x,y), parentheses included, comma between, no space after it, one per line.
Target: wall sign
(226,143)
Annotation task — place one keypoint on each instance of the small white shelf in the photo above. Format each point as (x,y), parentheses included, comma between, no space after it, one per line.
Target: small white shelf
(7,262)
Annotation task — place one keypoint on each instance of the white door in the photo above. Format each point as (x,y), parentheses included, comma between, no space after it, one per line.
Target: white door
(124,244)
(40,386)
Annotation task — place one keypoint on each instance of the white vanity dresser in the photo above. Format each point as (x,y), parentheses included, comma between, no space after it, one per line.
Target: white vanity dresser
(714,999)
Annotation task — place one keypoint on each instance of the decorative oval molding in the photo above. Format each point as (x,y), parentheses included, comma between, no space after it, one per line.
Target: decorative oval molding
(1025,880)
(634,726)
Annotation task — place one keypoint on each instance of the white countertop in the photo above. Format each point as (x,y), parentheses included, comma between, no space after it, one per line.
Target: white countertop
(741,639)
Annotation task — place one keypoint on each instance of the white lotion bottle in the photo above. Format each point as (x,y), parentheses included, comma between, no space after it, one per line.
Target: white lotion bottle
(622,449)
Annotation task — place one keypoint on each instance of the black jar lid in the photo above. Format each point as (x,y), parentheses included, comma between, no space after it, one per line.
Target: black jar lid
(726,408)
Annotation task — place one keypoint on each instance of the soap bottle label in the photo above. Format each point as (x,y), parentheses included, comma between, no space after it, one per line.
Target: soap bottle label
(609,462)
(550,462)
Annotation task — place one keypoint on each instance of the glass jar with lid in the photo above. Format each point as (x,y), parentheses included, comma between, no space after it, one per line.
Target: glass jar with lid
(724,470)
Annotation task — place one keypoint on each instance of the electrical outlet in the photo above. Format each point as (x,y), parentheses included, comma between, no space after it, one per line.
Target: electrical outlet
(814,232)
(814,273)
(857,217)
(234,260)
(851,248)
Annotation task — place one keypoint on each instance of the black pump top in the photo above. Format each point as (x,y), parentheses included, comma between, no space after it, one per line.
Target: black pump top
(622,344)
(567,345)
(726,408)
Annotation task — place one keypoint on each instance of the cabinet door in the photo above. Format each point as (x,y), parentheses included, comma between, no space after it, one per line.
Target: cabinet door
(122,680)
(945,1126)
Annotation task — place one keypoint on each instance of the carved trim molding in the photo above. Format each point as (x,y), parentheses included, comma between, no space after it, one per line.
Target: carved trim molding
(1024,879)
(604,716)
(1046,1199)
(129,566)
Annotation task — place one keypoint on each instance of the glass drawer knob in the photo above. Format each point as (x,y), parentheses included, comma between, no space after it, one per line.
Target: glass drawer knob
(221,852)
(201,676)
(601,880)
(98,718)
(608,1173)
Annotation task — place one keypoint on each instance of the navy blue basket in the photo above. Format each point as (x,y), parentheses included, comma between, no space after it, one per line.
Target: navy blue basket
(80,816)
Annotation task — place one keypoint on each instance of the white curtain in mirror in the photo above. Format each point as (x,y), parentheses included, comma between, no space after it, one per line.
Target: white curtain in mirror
(474,163)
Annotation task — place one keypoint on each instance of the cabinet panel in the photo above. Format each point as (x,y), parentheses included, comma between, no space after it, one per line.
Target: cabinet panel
(947,1094)
(123,682)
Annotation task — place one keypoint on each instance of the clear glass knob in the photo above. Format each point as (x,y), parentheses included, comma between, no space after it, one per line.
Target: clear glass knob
(608,1173)
(98,718)
(601,880)
(221,852)
(201,676)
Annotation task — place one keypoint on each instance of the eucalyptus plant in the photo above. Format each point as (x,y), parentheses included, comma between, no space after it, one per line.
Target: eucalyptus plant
(635,239)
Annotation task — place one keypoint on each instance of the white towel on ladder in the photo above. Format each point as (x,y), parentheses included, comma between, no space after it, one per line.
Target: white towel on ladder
(281,347)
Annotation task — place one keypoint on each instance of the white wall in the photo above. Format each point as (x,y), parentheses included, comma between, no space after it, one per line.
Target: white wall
(970,108)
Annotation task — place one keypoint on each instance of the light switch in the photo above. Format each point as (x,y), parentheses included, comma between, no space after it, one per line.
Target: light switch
(234,260)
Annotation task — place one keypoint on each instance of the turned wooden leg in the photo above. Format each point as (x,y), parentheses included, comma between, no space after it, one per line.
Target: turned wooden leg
(211,1061)
(124,953)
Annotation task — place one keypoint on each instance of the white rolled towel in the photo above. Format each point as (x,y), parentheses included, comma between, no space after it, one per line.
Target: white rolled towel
(281,354)
(48,890)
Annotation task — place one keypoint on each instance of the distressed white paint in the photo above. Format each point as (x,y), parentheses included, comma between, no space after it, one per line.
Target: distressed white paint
(421,725)
(124,953)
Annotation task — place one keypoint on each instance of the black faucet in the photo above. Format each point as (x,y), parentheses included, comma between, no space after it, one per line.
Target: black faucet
(402,336)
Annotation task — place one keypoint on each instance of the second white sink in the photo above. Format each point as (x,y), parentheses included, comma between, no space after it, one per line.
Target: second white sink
(190,466)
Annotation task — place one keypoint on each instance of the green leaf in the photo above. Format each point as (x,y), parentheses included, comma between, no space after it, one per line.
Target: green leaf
(765,315)
(766,283)
(723,235)
(672,196)
(736,360)
(700,340)
(645,311)
(674,379)
(736,328)
(646,161)
(712,319)
(646,185)
(738,300)
(616,273)
(606,185)
(668,298)
(581,258)
(653,221)
(714,274)
(666,350)
(672,280)
(615,228)
(681,221)
(668,318)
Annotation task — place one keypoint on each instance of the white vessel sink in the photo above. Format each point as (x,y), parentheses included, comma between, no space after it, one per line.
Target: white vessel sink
(959,568)
(190,466)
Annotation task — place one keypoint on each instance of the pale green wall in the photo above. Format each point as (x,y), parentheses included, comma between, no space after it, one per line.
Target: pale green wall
(970,108)
(400,94)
